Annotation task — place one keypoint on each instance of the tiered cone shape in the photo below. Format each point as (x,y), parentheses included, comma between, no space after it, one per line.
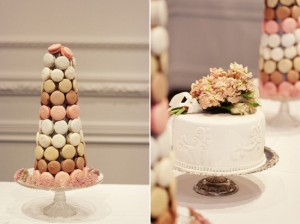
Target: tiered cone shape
(60,158)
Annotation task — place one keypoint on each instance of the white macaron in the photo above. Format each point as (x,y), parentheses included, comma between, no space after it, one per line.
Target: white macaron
(154,151)
(57,75)
(274,40)
(153,178)
(159,40)
(75,125)
(159,13)
(290,52)
(61,127)
(163,172)
(277,54)
(266,53)
(264,40)
(164,143)
(288,39)
(46,73)
(48,60)
(73,139)
(47,127)
(73,62)
(70,73)
(58,141)
(297,35)
(62,62)
(44,140)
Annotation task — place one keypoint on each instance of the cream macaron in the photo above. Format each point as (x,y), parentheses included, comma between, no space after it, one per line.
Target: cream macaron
(277,54)
(70,73)
(44,140)
(269,66)
(290,52)
(51,153)
(61,127)
(155,149)
(274,40)
(264,40)
(159,201)
(57,75)
(159,40)
(47,127)
(75,125)
(58,141)
(288,39)
(285,65)
(266,53)
(39,152)
(159,13)
(80,149)
(62,63)
(73,139)
(163,170)
(68,151)
(48,60)
(297,35)
(46,73)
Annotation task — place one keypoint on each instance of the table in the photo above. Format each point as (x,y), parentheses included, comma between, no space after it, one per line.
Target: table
(272,196)
(106,203)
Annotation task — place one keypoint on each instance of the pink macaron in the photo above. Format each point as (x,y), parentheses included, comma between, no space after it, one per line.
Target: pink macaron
(47,176)
(73,111)
(271,27)
(67,52)
(54,48)
(62,177)
(270,89)
(58,113)
(285,89)
(159,116)
(289,25)
(297,88)
(77,174)
(44,112)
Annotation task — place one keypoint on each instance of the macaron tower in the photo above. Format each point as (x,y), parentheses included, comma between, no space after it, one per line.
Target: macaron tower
(60,159)
(279,61)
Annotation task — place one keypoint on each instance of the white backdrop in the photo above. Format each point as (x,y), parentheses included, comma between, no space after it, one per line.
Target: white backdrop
(110,42)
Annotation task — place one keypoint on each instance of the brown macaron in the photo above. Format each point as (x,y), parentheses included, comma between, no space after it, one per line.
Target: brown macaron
(45,98)
(159,87)
(282,12)
(42,165)
(57,98)
(53,167)
(269,13)
(68,165)
(264,77)
(295,12)
(292,76)
(72,97)
(80,163)
(276,77)
(165,217)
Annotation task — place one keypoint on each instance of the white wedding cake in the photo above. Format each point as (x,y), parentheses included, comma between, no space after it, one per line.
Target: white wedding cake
(222,129)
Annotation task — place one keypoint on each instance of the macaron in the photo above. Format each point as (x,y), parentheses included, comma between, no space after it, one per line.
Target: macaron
(47,176)
(62,178)
(285,65)
(44,112)
(164,143)
(287,2)
(159,87)
(47,127)
(80,149)
(277,54)
(72,97)
(159,13)
(62,63)
(61,127)
(163,171)
(79,161)
(46,73)
(75,87)
(274,40)
(276,77)
(57,75)
(159,40)
(48,60)
(270,89)
(68,151)
(266,53)
(45,98)
(298,2)
(168,217)
(295,12)
(269,66)
(42,165)
(285,89)
(65,51)
(154,64)
(57,98)
(282,12)
(288,39)
(164,62)
(39,152)
(261,63)
(75,125)
(65,85)
(159,117)
(73,139)
(290,52)
(58,113)
(37,136)
(264,77)
(288,25)
(36,173)
(81,136)
(271,3)
(49,86)
(58,141)
(54,48)
(297,35)
(73,111)
(73,62)
(271,27)
(155,151)
(292,76)
(77,174)
(153,178)
(298,49)
(70,73)
(51,153)
(269,13)
(68,165)
(264,40)
(159,201)
(54,167)
(296,63)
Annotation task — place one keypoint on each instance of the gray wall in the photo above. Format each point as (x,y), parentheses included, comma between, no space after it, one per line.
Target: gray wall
(110,42)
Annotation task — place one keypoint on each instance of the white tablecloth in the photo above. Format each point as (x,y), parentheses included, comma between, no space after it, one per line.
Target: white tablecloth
(103,203)
(272,196)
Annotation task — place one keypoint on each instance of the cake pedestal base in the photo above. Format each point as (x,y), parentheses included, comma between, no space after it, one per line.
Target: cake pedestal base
(216,186)
(59,207)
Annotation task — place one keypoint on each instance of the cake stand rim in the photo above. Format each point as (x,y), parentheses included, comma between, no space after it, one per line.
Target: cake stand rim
(272,159)
(30,170)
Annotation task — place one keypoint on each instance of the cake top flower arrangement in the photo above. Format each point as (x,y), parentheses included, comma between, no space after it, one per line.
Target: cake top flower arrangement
(221,91)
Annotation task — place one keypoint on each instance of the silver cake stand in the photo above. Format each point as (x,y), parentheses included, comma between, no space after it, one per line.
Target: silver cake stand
(59,208)
(217,184)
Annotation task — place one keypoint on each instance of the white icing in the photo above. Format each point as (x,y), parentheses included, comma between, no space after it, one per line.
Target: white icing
(219,142)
